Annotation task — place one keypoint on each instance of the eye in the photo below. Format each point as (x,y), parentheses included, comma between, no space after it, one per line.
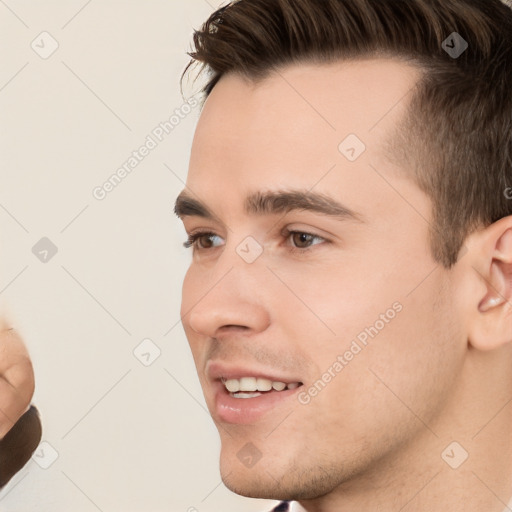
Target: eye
(201,240)
(302,241)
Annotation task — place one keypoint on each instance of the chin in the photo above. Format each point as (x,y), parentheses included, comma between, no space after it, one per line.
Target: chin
(273,481)
(254,480)
(255,487)
(257,483)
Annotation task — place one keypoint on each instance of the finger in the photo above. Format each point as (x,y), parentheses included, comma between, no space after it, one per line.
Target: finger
(16,379)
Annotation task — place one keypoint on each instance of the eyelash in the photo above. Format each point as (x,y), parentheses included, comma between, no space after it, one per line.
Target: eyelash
(193,237)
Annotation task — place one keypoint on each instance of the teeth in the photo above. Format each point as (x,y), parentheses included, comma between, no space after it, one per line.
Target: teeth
(248,384)
(264,384)
(246,395)
(253,384)
(232,385)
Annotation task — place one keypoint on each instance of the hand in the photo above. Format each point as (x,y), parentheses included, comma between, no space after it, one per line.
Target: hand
(20,426)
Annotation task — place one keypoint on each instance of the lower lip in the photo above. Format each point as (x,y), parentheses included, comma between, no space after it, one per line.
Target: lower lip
(244,411)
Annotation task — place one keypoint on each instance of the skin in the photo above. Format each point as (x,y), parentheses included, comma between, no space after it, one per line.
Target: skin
(438,372)
(16,378)
(20,425)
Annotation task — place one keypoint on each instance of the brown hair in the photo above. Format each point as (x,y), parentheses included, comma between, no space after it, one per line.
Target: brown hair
(456,139)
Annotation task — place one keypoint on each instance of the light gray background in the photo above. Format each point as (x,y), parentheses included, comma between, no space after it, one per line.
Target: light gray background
(129,437)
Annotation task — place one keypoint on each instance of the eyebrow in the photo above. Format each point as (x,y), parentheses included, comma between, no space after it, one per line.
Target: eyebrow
(272,203)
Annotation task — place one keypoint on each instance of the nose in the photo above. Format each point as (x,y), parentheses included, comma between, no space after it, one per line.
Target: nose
(231,300)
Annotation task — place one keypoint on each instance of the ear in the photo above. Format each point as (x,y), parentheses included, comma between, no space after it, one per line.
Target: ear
(491,315)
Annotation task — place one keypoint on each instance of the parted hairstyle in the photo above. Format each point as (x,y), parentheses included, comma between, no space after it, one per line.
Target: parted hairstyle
(455,140)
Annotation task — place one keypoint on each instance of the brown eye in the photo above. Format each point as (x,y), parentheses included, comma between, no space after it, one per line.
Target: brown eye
(204,241)
(302,240)
(201,241)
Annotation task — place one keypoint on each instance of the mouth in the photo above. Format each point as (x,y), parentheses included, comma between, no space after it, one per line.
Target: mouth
(252,387)
(244,397)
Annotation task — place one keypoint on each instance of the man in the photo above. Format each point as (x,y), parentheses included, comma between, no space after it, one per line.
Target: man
(20,426)
(349,205)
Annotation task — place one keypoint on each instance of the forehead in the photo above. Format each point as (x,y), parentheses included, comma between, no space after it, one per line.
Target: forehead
(345,95)
(287,129)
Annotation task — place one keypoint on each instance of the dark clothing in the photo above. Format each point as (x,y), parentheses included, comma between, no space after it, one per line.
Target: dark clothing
(19,444)
(284,506)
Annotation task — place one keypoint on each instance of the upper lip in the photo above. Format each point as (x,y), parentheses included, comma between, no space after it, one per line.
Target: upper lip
(217,370)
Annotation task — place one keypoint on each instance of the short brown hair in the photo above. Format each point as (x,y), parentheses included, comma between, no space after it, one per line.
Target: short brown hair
(456,139)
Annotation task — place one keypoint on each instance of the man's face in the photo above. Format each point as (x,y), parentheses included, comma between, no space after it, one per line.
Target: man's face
(349,304)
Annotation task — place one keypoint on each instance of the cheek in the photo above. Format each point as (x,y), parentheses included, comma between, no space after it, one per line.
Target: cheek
(335,302)
(395,349)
